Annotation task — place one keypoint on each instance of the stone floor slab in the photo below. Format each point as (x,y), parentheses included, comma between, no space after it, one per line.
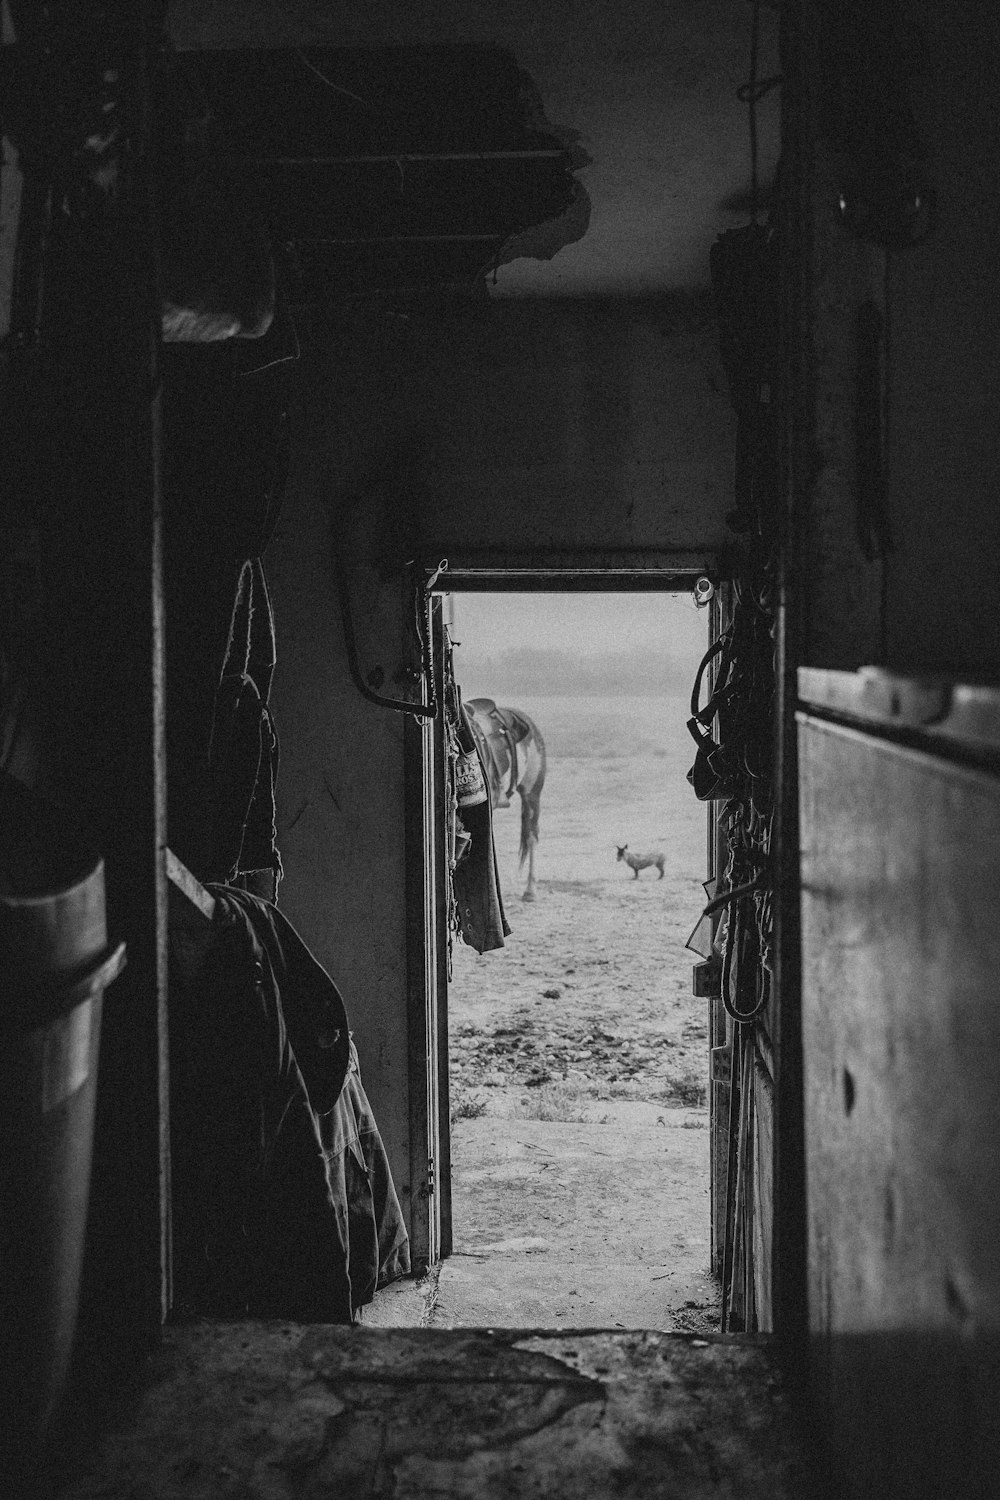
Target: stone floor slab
(292,1412)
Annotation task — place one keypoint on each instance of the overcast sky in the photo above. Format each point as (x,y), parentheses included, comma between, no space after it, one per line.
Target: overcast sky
(586,624)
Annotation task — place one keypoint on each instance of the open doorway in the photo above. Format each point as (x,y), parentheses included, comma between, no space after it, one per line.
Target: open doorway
(578,1059)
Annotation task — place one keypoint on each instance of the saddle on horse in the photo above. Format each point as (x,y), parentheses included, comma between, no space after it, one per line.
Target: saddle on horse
(502,730)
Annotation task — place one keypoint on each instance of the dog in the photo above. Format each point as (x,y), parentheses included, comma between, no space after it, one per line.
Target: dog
(637,862)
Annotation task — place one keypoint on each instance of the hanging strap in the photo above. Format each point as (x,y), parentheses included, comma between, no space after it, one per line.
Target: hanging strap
(724,691)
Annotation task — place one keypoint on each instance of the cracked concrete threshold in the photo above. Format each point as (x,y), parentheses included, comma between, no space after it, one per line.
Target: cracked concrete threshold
(293,1412)
(613,1235)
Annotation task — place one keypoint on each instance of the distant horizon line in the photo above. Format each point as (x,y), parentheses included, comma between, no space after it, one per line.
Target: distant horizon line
(586,691)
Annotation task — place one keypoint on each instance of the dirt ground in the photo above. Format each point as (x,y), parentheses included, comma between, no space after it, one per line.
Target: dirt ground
(591,998)
(586,1017)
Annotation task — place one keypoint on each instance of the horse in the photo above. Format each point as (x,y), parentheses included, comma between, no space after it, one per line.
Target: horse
(513,754)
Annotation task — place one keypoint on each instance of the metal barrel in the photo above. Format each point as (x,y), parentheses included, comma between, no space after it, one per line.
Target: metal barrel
(55,963)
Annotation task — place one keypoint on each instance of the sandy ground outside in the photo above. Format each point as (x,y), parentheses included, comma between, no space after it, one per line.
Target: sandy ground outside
(579,1057)
(590,999)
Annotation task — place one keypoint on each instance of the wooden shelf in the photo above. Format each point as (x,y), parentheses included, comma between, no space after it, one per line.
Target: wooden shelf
(186,885)
(190,913)
(946,714)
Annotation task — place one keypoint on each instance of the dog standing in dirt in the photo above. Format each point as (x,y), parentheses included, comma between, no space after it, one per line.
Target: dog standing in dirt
(637,862)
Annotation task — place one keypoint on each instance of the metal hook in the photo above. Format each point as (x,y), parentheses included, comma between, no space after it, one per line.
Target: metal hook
(435,574)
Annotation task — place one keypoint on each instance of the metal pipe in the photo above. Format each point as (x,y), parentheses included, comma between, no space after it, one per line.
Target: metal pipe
(398,705)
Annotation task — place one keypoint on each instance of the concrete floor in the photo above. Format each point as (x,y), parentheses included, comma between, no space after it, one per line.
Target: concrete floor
(592,1231)
(270,1411)
(572,1225)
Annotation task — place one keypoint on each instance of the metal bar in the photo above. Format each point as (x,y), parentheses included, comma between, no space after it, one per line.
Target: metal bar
(410,239)
(419,1203)
(392,158)
(720,1121)
(597,567)
(570,580)
(442,889)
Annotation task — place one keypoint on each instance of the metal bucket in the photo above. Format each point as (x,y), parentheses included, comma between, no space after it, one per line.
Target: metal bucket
(55,963)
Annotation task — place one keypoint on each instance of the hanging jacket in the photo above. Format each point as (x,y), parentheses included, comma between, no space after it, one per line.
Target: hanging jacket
(284,1202)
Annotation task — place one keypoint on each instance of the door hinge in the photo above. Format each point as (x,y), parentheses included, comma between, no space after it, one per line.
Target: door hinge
(430,1174)
(722,1063)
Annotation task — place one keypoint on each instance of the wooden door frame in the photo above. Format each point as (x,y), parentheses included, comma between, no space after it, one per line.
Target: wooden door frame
(426,859)
(427,968)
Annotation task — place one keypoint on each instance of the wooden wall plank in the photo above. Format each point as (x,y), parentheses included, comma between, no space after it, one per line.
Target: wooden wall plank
(763,1196)
(901,952)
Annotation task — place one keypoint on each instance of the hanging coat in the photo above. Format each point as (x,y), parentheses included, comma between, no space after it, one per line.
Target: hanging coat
(284,1203)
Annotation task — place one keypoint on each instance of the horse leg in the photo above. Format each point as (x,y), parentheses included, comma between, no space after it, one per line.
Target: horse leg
(529,838)
(529,890)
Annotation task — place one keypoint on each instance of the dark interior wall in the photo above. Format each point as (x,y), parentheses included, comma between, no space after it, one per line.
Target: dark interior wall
(646,92)
(943,585)
(573,426)
(899,847)
(549,425)
(81,676)
(929,600)
(511,426)
(841,588)
(340,787)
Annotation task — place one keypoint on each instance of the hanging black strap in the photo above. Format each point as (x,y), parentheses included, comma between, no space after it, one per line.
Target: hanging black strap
(723,648)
